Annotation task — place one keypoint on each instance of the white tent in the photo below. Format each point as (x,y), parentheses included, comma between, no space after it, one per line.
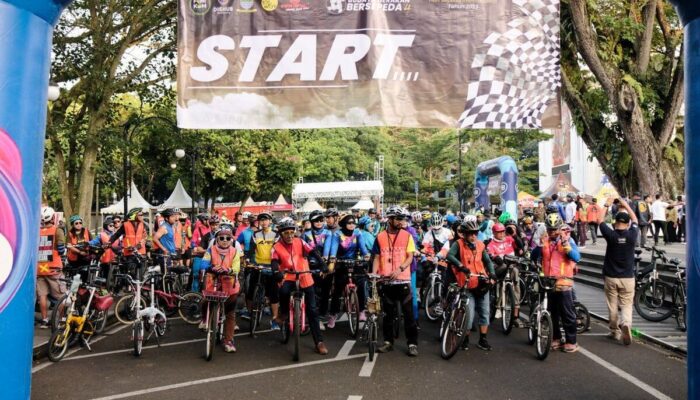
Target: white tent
(337,190)
(363,204)
(135,200)
(309,206)
(280,201)
(178,198)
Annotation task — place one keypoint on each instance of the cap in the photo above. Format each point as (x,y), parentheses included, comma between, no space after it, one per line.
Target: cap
(622,217)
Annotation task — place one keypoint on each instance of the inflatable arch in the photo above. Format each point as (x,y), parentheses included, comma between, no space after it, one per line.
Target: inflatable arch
(506,168)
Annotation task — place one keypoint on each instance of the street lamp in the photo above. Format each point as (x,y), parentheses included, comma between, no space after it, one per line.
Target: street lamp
(54,91)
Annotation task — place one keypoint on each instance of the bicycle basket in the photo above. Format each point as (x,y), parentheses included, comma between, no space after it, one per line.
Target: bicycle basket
(548,283)
(374,306)
(210,295)
(102,303)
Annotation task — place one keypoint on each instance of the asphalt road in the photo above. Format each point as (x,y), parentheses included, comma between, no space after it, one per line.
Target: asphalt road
(263,369)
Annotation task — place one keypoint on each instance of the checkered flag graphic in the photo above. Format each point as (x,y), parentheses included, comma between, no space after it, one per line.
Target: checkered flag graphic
(517,73)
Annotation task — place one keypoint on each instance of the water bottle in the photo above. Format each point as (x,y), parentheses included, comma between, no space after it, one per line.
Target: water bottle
(75,284)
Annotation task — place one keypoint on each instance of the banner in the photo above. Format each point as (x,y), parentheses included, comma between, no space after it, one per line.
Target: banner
(246,64)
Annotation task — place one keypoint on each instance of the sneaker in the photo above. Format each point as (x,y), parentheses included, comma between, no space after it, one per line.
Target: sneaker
(387,347)
(321,326)
(626,335)
(44,324)
(236,328)
(363,316)
(412,350)
(518,323)
(202,326)
(616,336)
(267,311)
(321,349)
(229,347)
(556,345)
(331,321)
(484,344)
(274,325)
(570,348)
(245,314)
(465,343)
(581,247)
(499,314)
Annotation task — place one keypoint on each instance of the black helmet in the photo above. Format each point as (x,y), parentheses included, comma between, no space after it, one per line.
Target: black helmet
(264,215)
(371,211)
(316,215)
(394,211)
(553,221)
(168,212)
(469,226)
(331,212)
(203,217)
(510,222)
(214,219)
(286,224)
(107,223)
(551,209)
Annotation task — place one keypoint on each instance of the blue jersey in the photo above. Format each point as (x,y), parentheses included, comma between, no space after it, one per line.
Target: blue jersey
(347,246)
(244,240)
(368,240)
(168,240)
(317,238)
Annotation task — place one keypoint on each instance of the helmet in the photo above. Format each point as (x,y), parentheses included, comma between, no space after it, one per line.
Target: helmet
(551,209)
(247,215)
(394,211)
(331,212)
(264,215)
(505,216)
(225,220)
(74,218)
(510,222)
(436,219)
(553,221)
(214,219)
(316,215)
(131,215)
(47,214)
(286,224)
(469,226)
(168,212)
(426,215)
(416,216)
(203,217)
(364,221)
(224,229)
(371,211)
(176,210)
(107,222)
(498,227)
(469,217)
(354,210)
(451,219)
(406,214)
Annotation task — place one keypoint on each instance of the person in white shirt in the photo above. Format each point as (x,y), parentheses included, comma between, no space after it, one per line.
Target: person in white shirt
(658,216)
(570,213)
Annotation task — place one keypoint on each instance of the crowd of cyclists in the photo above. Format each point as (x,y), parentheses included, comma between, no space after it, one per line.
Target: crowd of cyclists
(402,247)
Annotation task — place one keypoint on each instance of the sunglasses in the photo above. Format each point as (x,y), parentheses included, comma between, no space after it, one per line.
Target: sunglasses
(400,218)
(224,238)
(470,233)
(289,232)
(77,223)
(351,223)
(110,226)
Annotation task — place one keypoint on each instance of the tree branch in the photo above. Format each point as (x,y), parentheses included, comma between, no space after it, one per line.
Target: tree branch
(672,105)
(644,40)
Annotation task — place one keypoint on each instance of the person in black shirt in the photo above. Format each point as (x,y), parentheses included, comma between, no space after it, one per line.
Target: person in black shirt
(618,269)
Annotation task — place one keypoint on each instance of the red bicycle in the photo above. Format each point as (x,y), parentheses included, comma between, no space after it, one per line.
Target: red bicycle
(351,302)
(215,313)
(297,314)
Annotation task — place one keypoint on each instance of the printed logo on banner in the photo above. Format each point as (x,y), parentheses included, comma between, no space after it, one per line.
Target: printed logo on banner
(223,8)
(459,5)
(223,2)
(269,5)
(200,7)
(379,5)
(246,6)
(295,5)
(335,7)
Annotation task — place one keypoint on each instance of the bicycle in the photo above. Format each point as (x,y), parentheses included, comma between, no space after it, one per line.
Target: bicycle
(656,300)
(215,313)
(148,319)
(258,301)
(540,330)
(173,280)
(59,312)
(433,296)
(78,326)
(454,329)
(503,297)
(351,302)
(370,329)
(297,314)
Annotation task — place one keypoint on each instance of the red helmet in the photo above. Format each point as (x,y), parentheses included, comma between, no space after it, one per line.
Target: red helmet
(498,227)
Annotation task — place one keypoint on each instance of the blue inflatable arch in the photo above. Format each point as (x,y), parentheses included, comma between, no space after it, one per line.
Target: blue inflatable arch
(506,168)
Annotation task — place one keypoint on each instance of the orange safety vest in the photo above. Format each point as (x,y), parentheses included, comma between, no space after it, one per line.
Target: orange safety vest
(392,253)
(473,261)
(49,259)
(133,236)
(556,264)
(294,261)
(178,235)
(72,239)
(108,256)
(593,212)
(229,283)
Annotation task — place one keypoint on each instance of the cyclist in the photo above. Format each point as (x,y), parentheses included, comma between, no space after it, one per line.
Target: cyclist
(435,239)
(365,225)
(289,254)
(408,226)
(393,253)
(347,244)
(244,239)
(244,224)
(485,227)
(164,238)
(325,281)
(102,240)
(513,231)
(539,234)
(50,266)
(224,257)
(372,214)
(133,239)
(317,237)
(504,245)
(559,258)
(186,238)
(261,251)
(198,246)
(77,236)
(471,265)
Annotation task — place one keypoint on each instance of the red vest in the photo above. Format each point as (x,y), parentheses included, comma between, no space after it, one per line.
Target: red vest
(49,259)
(556,264)
(73,239)
(108,256)
(292,258)
(133,236)
(229,283)
(473,261)
(393,252)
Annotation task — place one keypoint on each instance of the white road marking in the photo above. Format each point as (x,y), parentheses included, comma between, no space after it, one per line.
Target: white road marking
(354,397)
(227,377)
(345,350)
(624,375)
(368,366)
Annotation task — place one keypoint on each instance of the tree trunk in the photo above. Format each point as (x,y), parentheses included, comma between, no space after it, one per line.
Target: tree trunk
(87,182)
(646,157)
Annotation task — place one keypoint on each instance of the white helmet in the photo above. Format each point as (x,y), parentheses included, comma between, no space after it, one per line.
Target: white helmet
(47,214)
(469,217)
(247,214)
(436,220)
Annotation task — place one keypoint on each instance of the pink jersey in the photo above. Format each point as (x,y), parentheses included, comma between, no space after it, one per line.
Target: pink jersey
(501,248)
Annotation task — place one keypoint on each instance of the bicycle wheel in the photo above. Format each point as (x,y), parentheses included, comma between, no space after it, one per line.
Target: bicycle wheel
(353,311)
(544,336)
(653,301)
(523,291)
(454,335)
(494,302)
(190,307)
(532,329)
(680,307)
(171,284)
(372,338)
(58,318)
(297,328)
(137,332)
(257,311)
(583,318)
(433,300)
(212,329)
(58,343)
(99,320)
(125,310)
(508,310)
(160,325)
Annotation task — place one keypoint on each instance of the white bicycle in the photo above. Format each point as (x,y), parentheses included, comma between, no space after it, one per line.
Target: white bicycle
(150,319)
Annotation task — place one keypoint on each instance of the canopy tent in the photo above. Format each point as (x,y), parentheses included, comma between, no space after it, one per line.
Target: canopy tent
(364,204)
(337,190)
(309,206)
(178,198)
(526,200)
(607,191)
(134,200)
(561,185)
(281,205)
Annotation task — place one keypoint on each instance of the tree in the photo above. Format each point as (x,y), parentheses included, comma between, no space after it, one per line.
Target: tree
(101,50)
(622,75)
